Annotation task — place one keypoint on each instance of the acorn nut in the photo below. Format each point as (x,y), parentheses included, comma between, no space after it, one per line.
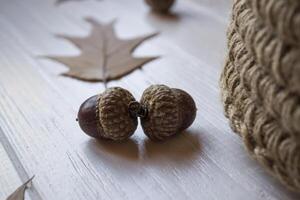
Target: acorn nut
(107,115)
(169,111)
(161,6)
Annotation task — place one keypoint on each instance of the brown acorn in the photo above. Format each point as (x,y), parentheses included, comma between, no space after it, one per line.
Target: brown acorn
(161,6)
(107,115)
(169,111)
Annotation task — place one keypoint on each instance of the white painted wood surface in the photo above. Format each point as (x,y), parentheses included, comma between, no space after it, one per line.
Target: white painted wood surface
(39,134)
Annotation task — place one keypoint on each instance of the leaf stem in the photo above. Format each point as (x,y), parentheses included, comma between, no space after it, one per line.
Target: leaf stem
(104,53)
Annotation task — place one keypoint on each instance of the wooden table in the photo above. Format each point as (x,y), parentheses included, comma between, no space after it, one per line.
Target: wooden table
(39,135)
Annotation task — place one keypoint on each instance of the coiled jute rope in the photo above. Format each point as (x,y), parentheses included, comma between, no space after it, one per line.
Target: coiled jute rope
(261,83)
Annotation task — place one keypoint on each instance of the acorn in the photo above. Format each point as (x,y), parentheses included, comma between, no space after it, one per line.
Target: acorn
(107,115)
(169,111)
(161,6)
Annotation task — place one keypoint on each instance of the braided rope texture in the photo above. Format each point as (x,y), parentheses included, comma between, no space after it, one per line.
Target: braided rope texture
(260,83)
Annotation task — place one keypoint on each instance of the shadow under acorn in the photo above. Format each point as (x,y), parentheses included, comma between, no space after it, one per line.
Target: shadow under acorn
(177,150)
(127,149)
(163,17)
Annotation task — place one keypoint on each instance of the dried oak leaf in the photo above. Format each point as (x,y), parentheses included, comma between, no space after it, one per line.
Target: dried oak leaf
(19,194)
(103,55)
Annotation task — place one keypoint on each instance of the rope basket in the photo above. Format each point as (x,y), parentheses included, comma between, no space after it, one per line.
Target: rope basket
(261,83)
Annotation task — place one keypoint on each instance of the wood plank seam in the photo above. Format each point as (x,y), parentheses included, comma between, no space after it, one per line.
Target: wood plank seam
(33,193)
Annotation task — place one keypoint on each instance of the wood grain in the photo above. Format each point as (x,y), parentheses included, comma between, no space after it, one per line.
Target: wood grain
(9,177)
(38,108)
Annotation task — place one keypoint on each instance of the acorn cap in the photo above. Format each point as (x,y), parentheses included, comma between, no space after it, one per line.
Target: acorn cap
(169,111)
(107,115)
